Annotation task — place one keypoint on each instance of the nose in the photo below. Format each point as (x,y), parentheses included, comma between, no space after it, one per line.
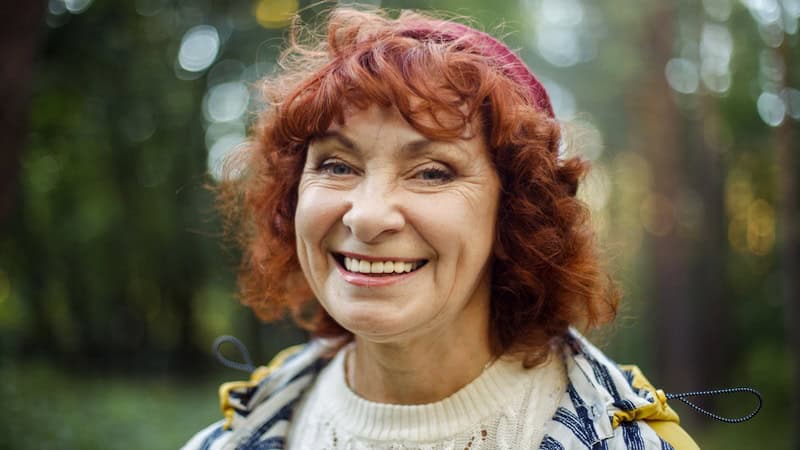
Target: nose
(373,214)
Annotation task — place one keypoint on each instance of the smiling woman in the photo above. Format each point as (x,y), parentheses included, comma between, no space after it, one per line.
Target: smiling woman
(379,193)
(405,201)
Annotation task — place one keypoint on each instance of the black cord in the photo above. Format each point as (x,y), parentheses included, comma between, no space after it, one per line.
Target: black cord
(682,397)
(246,366)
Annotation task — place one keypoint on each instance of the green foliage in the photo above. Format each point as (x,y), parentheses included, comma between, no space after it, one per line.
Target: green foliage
(54,408)
(113,256)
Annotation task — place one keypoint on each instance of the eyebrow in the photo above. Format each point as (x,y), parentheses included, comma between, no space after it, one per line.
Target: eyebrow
(414,146)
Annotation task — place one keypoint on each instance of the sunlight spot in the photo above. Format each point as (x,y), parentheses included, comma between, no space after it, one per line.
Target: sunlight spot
(199,48)
(682,75)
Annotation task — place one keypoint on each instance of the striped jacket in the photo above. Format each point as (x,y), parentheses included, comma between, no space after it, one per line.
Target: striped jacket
(605,406)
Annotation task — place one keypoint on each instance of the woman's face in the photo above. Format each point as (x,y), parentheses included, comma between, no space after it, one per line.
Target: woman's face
(395,231)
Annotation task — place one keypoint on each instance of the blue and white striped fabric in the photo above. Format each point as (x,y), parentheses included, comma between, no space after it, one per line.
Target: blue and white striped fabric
(598,390)
(591,415)
(261,413)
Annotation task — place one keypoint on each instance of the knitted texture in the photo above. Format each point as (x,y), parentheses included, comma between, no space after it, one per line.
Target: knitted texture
(508,61)
(506,407)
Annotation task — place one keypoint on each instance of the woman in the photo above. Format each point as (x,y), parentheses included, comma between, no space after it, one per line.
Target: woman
(405,201)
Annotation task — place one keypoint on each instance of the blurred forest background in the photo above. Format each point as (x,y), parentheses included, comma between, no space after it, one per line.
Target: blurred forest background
(114,279)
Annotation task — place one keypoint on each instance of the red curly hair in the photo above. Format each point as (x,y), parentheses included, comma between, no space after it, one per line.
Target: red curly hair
(545,274)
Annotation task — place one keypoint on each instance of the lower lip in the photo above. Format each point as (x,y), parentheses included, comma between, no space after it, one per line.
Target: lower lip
(361,279)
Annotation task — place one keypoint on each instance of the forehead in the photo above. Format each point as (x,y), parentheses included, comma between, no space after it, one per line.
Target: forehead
(374,123)
(378,123)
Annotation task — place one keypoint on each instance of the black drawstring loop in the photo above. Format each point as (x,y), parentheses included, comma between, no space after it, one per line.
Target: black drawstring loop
(682,397)
(246,366)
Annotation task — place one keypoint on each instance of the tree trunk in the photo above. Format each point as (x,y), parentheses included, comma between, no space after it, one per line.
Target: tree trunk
(661,127)
(19,37)
(709,256)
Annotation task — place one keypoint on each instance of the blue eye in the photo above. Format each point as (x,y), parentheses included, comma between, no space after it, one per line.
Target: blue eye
(435,175)
(336,168)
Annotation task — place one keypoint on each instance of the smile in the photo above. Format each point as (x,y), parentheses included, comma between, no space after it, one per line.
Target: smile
(377,268)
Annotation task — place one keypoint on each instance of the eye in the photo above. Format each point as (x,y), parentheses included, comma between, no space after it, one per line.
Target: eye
(435,175)
(335,167)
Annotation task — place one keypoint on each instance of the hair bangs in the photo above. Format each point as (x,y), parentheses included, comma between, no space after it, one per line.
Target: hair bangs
(439,91)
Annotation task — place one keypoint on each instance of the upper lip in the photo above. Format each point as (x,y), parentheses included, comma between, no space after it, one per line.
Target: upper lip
(377,258)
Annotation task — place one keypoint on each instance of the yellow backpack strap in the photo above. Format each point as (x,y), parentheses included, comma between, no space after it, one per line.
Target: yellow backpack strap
(658,415)
(673,434)
(259,374)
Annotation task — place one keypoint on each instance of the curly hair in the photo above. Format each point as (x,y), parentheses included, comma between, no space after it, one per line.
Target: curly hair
(546,274)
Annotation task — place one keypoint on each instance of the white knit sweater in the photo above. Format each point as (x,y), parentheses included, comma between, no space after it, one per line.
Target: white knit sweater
(506,407)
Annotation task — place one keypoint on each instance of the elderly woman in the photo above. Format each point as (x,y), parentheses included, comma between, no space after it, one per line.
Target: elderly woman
(405,201)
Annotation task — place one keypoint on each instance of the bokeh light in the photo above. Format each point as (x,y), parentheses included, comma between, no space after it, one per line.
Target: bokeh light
(199,48)
(760,227)
(738,192)
(226,102)
(791,8)
(771,108)
(596,188)
(565,13)
(219,156)
(561,98)
(716,50)
(58,7)
(764,11)
(792,99)
(564,36)
(771,69)
(791,14)
(682,75)
(77,6)
(719,10)
(582,138)
(771,33)
(215,131)
(275,13)
(752,223)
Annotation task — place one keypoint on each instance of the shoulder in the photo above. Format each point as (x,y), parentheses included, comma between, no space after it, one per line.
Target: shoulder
(206,437)
(258,409)
(612,404)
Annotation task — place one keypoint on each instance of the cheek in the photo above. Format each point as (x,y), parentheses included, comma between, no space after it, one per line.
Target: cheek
(318,211)
(456,226)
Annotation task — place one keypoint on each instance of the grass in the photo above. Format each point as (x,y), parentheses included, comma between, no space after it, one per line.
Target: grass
(47,408)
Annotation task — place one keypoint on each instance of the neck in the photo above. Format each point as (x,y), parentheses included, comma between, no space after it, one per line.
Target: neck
(421,370)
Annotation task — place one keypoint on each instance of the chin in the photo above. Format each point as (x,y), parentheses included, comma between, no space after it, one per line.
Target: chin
(373,325)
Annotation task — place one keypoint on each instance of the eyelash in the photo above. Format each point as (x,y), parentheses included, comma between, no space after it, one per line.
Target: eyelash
(328,166)
(440,175)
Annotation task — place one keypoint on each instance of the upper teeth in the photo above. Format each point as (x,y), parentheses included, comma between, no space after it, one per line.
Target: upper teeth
(362,266)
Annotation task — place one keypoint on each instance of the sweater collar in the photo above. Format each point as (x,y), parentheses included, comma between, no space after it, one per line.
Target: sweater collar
(503,385)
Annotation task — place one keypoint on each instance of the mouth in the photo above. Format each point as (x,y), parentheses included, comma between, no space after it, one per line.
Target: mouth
(377,268)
